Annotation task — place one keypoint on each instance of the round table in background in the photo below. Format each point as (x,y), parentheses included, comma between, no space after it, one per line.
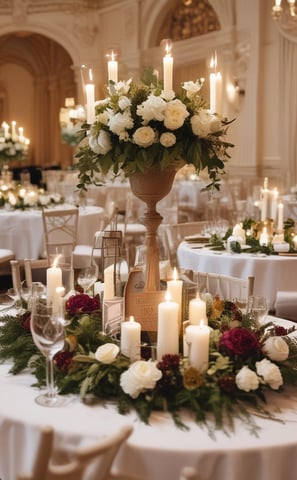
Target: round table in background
(22,231)
(272,273)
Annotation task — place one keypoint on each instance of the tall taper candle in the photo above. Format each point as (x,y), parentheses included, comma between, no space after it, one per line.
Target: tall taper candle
(167,70)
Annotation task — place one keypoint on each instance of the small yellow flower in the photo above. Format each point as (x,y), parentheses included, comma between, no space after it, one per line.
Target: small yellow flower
(71,341)
(192,378)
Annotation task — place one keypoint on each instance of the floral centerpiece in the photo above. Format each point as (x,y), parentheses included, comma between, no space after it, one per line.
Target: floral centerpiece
(252,232)
(139,126)
(245,361)
(22,198)
(12,146)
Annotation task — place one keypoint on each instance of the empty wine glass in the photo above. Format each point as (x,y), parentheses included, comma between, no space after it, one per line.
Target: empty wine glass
(258,308)
(48,335)
(15,295)
(242,304)
(87,277)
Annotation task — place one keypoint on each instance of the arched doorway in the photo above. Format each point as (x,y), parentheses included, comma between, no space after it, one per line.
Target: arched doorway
(36,76)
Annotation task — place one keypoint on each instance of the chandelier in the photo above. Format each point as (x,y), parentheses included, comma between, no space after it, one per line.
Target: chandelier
(285,14)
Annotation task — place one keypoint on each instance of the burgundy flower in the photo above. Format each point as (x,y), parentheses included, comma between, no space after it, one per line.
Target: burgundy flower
(82,303)
(171,376)
(26,318)
(227,383)
(239,341)
(63,361)
(280,331)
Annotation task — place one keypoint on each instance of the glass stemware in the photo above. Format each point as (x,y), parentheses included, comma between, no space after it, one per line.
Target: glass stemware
(258,308)
(15,295)
(48,335)
(242,304)
(87,277)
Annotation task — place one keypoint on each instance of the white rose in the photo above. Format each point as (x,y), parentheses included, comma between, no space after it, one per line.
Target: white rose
(124,102)
(140,376)
(200,124)
(107,353)
(119,122)
(192,88)
(167,139)
(102,118)
(100,144)
(270,373)
(152,109)
(144,136)
(247,380)
(175,114)
(214,123)
(276,349)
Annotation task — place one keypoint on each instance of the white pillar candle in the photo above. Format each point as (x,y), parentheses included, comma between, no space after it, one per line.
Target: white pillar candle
(219,97)
(167,335)
(90,94)
(264,239)
(167,70)
(197,311)
(53,280)
(295,242)
(213,84)
(212,89)
(13,129)
(108,291)
(280,217)
(198,339)
(58,302)
(274,200)
(130,339)
(175,289)
(264,203)
(112,66)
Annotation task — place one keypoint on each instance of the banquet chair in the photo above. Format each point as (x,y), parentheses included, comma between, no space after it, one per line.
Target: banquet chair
(174,234)
(60,235)
(226,286)
(6,256)
(42,457)
(189,473)
(99,455)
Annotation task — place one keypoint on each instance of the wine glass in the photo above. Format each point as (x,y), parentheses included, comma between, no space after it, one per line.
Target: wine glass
(258,308)
(87,277)
(242,304)
(15,295)
(48,335)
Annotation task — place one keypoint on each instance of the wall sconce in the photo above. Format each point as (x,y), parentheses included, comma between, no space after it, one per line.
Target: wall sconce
(278,10)
(235,94)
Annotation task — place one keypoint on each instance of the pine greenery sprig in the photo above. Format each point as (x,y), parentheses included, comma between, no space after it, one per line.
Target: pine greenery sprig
(16,342)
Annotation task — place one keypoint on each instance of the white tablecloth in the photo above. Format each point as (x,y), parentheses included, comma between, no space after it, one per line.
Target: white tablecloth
(22,231)
(272,273)
(153,452)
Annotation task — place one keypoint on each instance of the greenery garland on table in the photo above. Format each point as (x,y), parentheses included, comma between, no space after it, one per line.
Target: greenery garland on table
(245,361)
(253,229)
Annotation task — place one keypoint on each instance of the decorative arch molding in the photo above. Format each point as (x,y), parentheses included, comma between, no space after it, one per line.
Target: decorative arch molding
(153,15)
(59,35)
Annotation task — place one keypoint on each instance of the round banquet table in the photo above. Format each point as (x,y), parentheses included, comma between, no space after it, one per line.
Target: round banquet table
(153,452)
(22,231)
(272,273)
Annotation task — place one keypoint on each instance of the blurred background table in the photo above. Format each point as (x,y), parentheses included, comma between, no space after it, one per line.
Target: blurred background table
(272,273)
(22,231)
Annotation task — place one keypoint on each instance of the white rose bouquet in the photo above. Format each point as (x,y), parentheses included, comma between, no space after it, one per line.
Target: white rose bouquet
(137,126)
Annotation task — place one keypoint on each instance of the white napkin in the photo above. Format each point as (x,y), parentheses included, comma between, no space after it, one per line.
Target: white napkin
(286,305)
